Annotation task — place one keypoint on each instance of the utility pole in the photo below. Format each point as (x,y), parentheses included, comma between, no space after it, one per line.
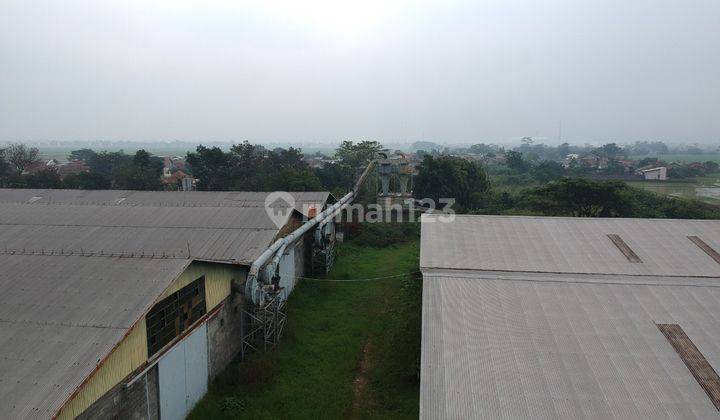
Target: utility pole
(560,132)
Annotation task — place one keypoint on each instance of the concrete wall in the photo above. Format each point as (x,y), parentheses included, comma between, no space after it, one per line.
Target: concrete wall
(137,401)
(224,335)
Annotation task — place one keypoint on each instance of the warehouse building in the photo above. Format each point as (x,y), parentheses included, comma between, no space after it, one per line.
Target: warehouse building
(535,317)
(119,304)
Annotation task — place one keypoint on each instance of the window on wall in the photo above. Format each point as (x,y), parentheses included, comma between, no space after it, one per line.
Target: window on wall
(174,314)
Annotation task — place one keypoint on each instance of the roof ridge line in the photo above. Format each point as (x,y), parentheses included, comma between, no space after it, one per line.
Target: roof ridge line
(483,270)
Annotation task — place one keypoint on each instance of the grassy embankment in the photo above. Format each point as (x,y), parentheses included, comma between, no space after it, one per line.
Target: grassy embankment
(351,349)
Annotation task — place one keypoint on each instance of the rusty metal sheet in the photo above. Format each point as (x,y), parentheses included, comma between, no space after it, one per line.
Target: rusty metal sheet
(624,248)
(694,360)
(705,247)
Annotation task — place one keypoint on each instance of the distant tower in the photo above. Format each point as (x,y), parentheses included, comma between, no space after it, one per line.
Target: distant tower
(395,173)
(404,173)
(385,170)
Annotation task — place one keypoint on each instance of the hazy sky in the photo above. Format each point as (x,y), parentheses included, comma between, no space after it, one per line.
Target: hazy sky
(293,70)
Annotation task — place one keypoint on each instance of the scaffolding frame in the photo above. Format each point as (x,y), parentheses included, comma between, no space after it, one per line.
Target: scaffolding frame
(267,322)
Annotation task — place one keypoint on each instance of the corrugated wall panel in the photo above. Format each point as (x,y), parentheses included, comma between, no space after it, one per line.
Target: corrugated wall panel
(128,356)
(287,271)
(217,281)
(132,351)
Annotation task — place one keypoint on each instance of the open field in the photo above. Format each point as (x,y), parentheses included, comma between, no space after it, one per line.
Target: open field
(351,349)
(705,188)
(714,157)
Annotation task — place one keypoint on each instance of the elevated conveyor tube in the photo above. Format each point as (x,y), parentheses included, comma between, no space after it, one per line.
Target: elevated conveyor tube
(254,284)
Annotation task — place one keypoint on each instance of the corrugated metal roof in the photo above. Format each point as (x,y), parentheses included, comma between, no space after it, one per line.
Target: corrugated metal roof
(159,198)
(230,234)
(509,331)
(221,245)
(569,245)
(60,315)
(64,303)
(137,216)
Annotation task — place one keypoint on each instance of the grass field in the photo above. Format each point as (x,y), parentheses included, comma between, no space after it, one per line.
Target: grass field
(351,349)
(714,157)
(706,188)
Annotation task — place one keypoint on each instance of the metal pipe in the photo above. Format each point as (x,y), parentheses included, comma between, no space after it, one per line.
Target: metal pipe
(297,234)
(275,263)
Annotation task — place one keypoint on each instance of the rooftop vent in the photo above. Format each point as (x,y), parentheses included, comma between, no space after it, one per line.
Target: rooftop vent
(624,248)
(705,247)
(696,363)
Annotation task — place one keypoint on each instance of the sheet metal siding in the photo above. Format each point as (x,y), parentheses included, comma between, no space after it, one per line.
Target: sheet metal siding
(57,327)
(171,384)
(218,279)
(183,375)
(538,349)
(196,366)
(287,271)
(130,354)
(569,245)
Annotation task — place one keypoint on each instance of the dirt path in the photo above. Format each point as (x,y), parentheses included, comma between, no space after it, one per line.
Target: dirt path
(361,392)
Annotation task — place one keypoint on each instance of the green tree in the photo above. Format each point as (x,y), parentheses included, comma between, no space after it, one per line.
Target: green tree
(86,181)
(47,178)
(4,164)
(452,177)
(580,197)
(292,179)
(610,150)
(105,162)
(336,177)
(357,155)
(21,156)
(142,173)
(84,155)
(212,166)
(132,177)
(547,170)
(514,160)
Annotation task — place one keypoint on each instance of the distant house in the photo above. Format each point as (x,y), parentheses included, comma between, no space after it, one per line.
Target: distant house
(72,167)
(626,163)
(174,180)
(41,165)
(570,159)
(654,174)
(593,161)
(172,164)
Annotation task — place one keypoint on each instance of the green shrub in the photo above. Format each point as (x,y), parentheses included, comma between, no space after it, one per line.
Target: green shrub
(382,235)
(232,405)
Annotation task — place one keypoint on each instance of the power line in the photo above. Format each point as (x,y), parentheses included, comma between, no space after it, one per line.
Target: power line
(359,280)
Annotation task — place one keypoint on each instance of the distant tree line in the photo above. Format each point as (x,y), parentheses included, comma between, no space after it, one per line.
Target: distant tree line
(106,170)
(245,167)
(252,167)
(467,182)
